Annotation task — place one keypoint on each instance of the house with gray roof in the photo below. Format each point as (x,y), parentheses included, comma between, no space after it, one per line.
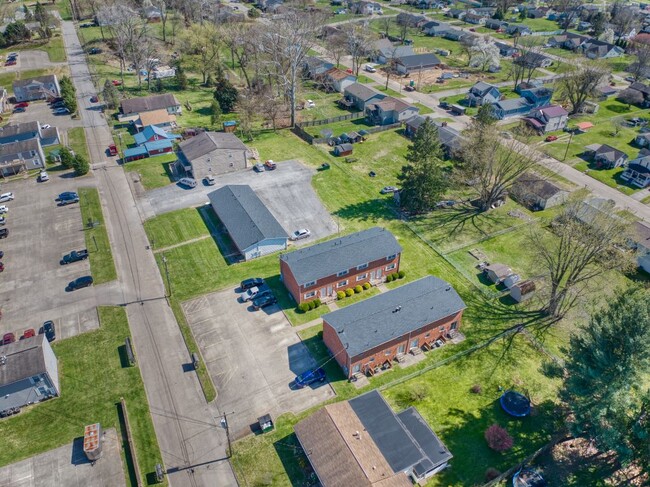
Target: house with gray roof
(367,336)
(24,155)
(450,139)
(249,223)
(363,442)
(605,156)
(390,110)
(37,88)
(547,118)
(16,132)
(385,50)
(359,96)
(320,270)
(131,108)
(211,153)
(511,107)
(483,93)
(28,372)
(537,193)
(416,62)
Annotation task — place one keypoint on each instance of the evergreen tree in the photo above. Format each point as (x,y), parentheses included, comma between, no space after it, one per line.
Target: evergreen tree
(67,158)
(606,377)
(423,178)
(16,32)
(80,165)
(181,77)
(215,113)
(225,93)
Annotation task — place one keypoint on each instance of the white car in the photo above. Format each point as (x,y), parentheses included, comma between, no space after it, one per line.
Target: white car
(310,104)
(46,126)
(249,294)
(42,176)
(209,180)
(3,220)
(370,68)
(6,197)
(4,209)
(300,234)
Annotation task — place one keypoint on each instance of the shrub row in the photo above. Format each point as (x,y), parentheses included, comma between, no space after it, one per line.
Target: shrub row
(395,276)
(355,290)
(309,305)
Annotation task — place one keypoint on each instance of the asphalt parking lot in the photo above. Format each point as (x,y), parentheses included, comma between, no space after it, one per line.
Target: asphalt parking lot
(68,466)
(30,59)
(253,357)
(32,286)
(286,191)
(41,111)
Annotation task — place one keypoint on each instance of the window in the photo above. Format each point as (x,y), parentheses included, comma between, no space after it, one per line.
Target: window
(401,348)
(388,352)
(391,257)
(310,294)
(442,328)
(454,325)
(356,368)
(342,283)
(362,266)
(372,359)
(390,267)
(342,273)
(414,342)
(310,284)
(361,277)
(427,335)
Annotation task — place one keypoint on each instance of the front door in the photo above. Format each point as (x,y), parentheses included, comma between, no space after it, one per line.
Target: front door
(329,290)
(378,274)
(414,342)
(322,293)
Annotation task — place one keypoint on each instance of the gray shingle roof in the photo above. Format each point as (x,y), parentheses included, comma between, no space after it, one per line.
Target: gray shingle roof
(247,219)
(48,78)
(419,60)
(24,359)
(362,92)
(20,146)
(207,142)
(374,321)
(328,258)
(148,103)
(18,128)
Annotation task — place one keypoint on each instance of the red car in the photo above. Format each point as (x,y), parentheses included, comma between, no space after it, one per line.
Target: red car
(2,267)
(116,82)
(349,71)
(94,99)
(472,29)
(29,332)
(8,338)
(10,63)
(22,104)
(551,138)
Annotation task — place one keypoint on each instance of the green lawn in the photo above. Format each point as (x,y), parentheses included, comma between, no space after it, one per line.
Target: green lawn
(102,266)
(77,141)
(93,378)
(153,172)
(424,110)
(541,25)
(175,227)
(55,49)
(6,79)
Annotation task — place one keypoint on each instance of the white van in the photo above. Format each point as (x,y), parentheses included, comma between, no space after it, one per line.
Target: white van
(189,182)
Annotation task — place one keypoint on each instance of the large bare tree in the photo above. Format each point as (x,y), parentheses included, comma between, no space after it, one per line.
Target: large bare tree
(580,84)
(570,9)
(242,40)
(588,241)
(203,43)
(126,28)
(640,68)
(624,18)
(360,43)
(526,64)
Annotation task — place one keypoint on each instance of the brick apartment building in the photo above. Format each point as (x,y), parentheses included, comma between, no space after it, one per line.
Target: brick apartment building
(373,332)
(319,271)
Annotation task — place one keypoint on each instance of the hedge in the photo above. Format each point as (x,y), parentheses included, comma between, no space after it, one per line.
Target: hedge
(358,288)
(340,294)
(349,292)
(367,286)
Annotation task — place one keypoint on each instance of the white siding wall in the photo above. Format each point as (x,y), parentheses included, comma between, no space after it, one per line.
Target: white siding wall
(51,365)
(265,247)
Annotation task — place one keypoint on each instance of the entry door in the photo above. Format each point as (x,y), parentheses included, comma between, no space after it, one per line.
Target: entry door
(414,342)
(378,274)
(322,293)
(401,348)
(329,290)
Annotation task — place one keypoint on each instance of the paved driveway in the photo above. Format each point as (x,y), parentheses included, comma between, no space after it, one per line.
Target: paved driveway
(286,191)
(253,357)
(32,286)
(41,111)
(68,466)
(31,60)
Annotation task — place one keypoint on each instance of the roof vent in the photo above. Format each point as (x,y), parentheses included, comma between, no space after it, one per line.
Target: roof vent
(448,288)
(3,359)
(341,330)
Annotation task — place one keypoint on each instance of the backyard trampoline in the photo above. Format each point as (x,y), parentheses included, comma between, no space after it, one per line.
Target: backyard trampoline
(515,404)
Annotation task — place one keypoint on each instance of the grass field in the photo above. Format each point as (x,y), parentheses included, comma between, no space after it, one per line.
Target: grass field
(93,378)
(102,266)
(175,227)
(153,172)
(77,141)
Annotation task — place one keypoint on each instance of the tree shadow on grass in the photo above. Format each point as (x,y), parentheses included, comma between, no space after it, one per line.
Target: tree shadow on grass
(369,210)
(295,462)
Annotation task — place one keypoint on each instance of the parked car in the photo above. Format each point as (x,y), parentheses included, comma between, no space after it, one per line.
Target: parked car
(79,283)
(3,220)
(2,254)
(46,126)
(631,79)
(49,330)
(310,104)
(22,104)
(28,333)
(19,110)
(94,99)
(67,195)
(250,283)
(388,189)
(249,294)
(270,165)
(68,200)
(370,68)
(74,256)
(2,267)
(258,168)
(8,338)
(264,301)
(94,50)
(309,377)
(42,176)
(61,111)
(550,138)
(10,63)
(300,234)
(209,180)
(188,182)
(4,232)
(116,82)
(3,209)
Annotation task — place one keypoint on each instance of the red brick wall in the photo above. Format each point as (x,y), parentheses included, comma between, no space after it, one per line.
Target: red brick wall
(351,277)
(333,343)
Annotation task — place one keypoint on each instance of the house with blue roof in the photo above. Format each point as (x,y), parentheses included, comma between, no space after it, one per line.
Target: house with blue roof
(148,149)
(152,133)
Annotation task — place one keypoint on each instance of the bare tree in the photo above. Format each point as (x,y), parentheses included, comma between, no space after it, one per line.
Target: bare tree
(126,26)
(337,46)
(272,107)
(247,108)
(242,40)
(466,43)
(391,65)
(570,9)
(161,5)
(640,68)
(203,42)
(360,42)
(631,97)
(489,165)
(286,42)
(385,24)
(624,18)
(581,83)
(526,64)
(404,29)
(587,243)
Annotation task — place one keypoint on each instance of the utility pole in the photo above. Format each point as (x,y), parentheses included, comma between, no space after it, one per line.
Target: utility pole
(567,146)
(169,284)
(224,423)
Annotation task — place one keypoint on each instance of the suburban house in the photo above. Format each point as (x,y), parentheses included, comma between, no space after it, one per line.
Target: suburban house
(416,62)
(160,118)
(641,243)
(536,193)
(456,13)
(518,30)
(637,172)
(364,7)
(547,119)
(412,20)
(38,88)
(506,50)
(644,90)
(134,107)
(336,79)
(495,24)
(534,59)
(386,50)
(153,133)
(475,19)
(450,139)
(152,14)
(360,96)
(363,442)
(511,107)
(435,28)
(455,34)
(28,372)
(370,334)
(320,270)
(483,93)
(315,66)
(497,272)
(148,149)
(536,96)
(390,110)
(523,290)
(605,156)
(211,153)
(568,41)
(595,49)
(21,156)
(249,223)
(642,140)
(16,132)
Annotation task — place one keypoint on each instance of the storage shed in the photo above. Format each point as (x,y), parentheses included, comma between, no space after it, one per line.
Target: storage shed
(343,150)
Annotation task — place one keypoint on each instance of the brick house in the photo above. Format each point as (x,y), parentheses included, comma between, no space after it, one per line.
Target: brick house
(320,270)
(372,333)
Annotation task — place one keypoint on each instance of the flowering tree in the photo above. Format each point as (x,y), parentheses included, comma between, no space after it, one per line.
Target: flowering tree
(483,54)
(498,438)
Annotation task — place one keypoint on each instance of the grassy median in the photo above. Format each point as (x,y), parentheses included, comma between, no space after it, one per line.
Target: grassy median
(102,266)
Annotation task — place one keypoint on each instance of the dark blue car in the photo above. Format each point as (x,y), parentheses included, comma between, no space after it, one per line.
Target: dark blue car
(309,377)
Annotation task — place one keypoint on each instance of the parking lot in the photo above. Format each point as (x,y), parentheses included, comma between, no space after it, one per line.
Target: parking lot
(31,59)
(286,191)
(68,466)
(41,111)
(32,287)
(253,357)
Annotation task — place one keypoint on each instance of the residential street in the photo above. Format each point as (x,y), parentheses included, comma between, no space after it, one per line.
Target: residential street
(190,438)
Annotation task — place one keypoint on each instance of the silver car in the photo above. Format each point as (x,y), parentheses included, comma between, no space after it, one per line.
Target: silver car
(249,294)
(300,234)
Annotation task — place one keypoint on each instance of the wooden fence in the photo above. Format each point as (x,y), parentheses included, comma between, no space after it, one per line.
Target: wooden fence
(325,121)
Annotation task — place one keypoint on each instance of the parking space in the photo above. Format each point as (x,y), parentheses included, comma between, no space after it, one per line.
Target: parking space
(287,192)
(41,111)
(31,59)
(253,357)
(68,466)
(32,287)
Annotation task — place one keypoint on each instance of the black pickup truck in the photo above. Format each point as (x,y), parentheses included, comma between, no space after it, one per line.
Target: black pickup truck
(74,256)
